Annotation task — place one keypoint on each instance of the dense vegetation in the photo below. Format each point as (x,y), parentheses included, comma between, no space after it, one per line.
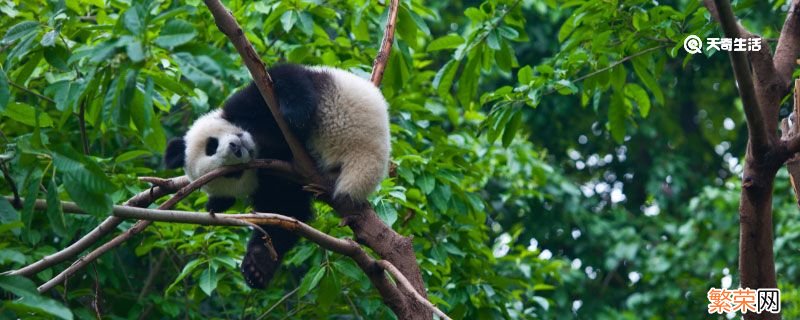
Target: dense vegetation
(553,159)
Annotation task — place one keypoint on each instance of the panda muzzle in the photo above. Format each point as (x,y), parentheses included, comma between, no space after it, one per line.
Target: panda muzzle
(236,149)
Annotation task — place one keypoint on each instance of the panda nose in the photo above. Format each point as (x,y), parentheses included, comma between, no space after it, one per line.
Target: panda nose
(236,149)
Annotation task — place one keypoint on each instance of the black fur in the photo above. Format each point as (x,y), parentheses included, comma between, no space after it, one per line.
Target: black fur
(175,155)
(219,204)
(297,90)
(211,146)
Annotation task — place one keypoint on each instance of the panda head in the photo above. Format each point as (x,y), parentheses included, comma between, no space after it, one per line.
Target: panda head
(210,143)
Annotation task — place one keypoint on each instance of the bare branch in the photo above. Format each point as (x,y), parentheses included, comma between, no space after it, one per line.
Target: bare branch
(379,65)
(228,25)
(143,199)
(759,140)
(345,247)
(408,288)
(279,166)
(788,44)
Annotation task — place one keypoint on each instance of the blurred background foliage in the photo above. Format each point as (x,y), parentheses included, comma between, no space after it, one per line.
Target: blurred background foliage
(554,158)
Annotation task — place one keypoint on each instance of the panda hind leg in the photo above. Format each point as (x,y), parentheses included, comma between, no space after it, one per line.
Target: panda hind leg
(258,267)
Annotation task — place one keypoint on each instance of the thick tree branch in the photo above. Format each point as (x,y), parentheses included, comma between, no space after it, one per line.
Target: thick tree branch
(228,25)
(759,138)
(788,44)
(408,288)
(367,227)
(379,65)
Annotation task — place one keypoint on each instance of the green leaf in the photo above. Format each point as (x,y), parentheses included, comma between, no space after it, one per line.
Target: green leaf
(449,41)
(443,80)
(54,211)
(525,75)
(492,40)
(311,280)
(208,280)
(287,20)
(617,114)
(640,68)
(134,50)
(133,19)
(5,91)
(57,56)
(386,212)
(637,94)
(329,289)
(130,155)
(26,114)
(30,299)
(187,269)
(426,182)
(49,38)
(175,33)
(348,269)
(95,203)
(7,212)
(512,127)
(306,23)
(406,27)
(20,30)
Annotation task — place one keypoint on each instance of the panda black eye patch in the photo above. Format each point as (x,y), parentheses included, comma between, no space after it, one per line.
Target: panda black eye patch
(211,146)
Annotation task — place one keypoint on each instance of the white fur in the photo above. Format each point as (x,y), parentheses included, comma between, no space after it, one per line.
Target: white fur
(198,163)
(352,133)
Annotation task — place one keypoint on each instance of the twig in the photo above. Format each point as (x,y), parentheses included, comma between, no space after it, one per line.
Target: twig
(286,296)
(621,61)
(379,65)
(41,96)
(155,270)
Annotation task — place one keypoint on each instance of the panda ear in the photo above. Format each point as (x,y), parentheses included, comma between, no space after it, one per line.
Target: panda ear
(175,155)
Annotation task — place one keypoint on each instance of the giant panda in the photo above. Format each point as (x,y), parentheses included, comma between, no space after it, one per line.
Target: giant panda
(342,119)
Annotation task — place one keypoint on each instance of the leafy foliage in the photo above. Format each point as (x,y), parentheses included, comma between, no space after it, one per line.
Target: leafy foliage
(553,158)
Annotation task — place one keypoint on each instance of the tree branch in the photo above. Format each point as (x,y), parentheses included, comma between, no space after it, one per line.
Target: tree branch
(408,288)
(759,139)
(142,224)
(143,199)
(367,227)
(228,25)
(379,65)
(342,246)
(788,44)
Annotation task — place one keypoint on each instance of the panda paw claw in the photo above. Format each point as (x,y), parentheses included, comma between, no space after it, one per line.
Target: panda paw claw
(316,189)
